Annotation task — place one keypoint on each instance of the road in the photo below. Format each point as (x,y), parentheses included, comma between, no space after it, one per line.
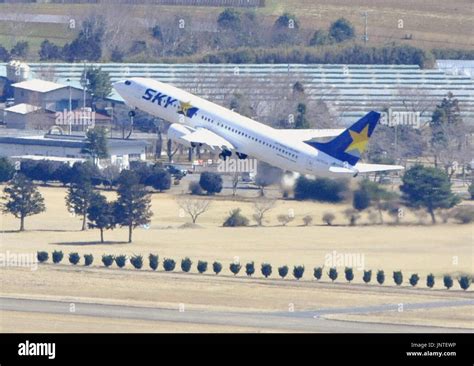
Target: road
(304,321)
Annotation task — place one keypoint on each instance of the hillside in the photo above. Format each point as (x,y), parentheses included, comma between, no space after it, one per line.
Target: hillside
(434,24)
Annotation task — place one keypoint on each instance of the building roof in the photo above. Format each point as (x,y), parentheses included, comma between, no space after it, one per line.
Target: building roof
(37,85)
(22,108)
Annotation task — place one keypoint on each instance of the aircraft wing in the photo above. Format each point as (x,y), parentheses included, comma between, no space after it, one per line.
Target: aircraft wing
(209,138)
(305,135)
(365,168)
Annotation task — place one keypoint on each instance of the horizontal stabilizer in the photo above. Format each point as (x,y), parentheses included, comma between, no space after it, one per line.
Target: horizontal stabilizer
(364,168)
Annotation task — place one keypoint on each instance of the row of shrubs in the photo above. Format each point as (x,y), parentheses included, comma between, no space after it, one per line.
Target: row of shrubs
(235,267)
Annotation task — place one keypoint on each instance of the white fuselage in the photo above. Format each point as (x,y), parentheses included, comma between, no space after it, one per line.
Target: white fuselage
(249,137)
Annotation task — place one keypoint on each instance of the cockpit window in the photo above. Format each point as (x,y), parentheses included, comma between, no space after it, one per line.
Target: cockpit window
(128,82)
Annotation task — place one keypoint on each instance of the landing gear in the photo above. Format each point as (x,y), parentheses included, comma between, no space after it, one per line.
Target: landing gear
(225,154)
(241,156)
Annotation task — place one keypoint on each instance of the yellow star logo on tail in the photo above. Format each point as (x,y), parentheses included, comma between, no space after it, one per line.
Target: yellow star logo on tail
(359,140)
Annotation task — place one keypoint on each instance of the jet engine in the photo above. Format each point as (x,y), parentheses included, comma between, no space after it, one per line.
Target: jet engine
(177,131)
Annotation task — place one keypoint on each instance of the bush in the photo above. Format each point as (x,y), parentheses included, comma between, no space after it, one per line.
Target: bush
(153,260)
(202,266)
(137,261)
(414,278)
(332,274)
(464,214)
(464,282)
(380,277)
(398,277)
(361,199)
(318,273)
(321,189)
(42,256)
(88,259)
(7,170)
(471,190)
(349,273)
(121,260)
(250,268)
(307,220)
(216,267)
(298,272)
(57,256)
(195,188)
(284,219)
(74,258)
(447,281)
(235,219)
(266,269)
(107,260)
(328,218)
(235,267)
(186,264)
(430,280)
(211,182)
(283,271)
(169,264)
(367,276)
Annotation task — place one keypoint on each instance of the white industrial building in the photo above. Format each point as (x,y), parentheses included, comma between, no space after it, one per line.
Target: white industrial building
(121,152)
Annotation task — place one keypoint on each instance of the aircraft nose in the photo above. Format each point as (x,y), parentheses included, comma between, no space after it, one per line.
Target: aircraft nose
(120,85)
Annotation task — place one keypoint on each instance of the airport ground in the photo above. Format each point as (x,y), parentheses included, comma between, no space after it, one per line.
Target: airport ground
(129,300)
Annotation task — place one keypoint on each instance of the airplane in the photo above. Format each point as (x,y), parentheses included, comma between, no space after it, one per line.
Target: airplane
(197,122)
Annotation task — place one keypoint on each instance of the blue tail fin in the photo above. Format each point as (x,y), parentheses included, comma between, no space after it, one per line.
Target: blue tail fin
(351,143)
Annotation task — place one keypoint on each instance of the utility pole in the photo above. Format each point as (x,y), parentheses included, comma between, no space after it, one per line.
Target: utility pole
(366,34)
(70,107)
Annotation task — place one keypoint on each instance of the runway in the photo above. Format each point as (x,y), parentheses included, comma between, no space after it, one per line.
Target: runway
(300,321)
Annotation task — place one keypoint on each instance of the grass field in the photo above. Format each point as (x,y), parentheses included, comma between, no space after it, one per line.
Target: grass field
(440,249)
(434,24)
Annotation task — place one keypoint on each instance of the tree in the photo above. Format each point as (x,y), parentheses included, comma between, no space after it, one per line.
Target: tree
(7,170)
(447,281)
(96,144)
(22,199)
(266,269)
(449,142)
(429,188)
(88,44)
(194,207)
(318,272)
(4,54)
(235,219)
(211,182)
(49,51)
(20,50)
(465,282)
(301,121)
(202,266)
(250,268)
(261,207)
(414,278)
(341,30)
(332,273)
(216,267)
(267,175)
(298,272)
(380,277)
(398,277)
(430,280)
(328,218)
(186,264)
(283,271)
(285,219)
(229,19)
(235,267)
(100,214)
(132,207)
(349,274)
(307,220)
(98,82)
(320,38)
(367,276)
(79,198)
(361,199)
